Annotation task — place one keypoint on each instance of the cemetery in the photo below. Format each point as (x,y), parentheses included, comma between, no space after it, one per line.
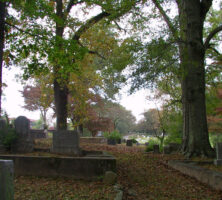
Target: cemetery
(128,96)
(67,159)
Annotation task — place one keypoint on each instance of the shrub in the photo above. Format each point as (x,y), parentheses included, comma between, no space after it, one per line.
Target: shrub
(8,136)
(113,135)
(134,141)
(151,142)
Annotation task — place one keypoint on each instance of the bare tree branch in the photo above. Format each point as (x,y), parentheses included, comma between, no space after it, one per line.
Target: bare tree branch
(120,28)
(71,4)
(91,51)
(166,19)
(211,35)
(89,24)
(26,32)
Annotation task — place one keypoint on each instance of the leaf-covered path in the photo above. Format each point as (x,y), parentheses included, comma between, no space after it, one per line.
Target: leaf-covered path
(145,177)
(141,176)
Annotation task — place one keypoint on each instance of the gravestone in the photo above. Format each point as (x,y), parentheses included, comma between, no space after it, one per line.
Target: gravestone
(111,141)
(24,142)
(66,142)
(166,149)
(218,160)
(2,128)
(156,148)
(129,143)
(6,180)
(174,147)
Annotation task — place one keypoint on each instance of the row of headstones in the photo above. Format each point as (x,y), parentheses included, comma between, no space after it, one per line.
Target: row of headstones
(25,135)
(129,143)
(24,141)
(63,141)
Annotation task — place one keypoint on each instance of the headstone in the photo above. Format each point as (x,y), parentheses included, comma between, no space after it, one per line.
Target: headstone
(111,141)
(129,143)
(24,142)
(6,180)
(166,149)
(22,126)
(119,141)
(174,147)
(156,148)
(66,142)
(218,160)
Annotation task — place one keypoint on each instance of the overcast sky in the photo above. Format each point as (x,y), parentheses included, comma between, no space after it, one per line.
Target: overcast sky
(13,100)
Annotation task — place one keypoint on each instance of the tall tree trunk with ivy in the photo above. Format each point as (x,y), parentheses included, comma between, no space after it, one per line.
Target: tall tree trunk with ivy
(2,34)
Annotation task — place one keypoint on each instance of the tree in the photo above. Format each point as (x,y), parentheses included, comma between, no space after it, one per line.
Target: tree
(61,42)
(185,35)
(2,39)
(38,97)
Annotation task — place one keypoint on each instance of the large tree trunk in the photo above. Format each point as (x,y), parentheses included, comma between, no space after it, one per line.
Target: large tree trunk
(61,101)
(2,33)
(60,85)
(192,52)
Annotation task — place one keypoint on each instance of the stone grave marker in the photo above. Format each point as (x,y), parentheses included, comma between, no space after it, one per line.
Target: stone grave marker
(166,149)
(218,160)
(111,141)
(24,142)
(66,142)
(156,148)
(129,143)
(174,147)
(6,180)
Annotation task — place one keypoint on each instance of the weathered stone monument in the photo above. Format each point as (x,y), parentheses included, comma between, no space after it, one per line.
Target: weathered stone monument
(218,160)
(166,149)
(129,143)
(24,142)
(66,142)
(111,141)
(174,147)
(6,180)
(156,148)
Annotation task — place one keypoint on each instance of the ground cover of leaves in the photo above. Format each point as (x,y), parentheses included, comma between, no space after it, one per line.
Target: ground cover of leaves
(142,176)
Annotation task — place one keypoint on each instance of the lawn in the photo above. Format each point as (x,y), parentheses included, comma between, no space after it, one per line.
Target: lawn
(142,176)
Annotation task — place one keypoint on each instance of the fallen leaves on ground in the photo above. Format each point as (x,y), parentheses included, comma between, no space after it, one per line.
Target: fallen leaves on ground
(142,176)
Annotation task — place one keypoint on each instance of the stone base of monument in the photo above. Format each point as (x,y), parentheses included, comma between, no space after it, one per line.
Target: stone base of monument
(22,146)
(88,167)
(66,142)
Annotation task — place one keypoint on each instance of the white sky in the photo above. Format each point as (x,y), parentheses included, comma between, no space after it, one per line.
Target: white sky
(13,100)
